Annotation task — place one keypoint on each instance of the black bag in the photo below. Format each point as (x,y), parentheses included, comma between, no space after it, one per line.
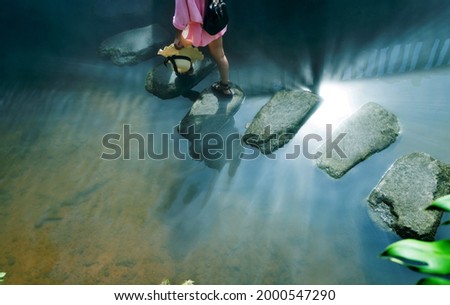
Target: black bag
(176,60)
(216,16)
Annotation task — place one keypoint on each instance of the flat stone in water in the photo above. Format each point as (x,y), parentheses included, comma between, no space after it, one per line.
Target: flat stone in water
(400,199)
(280,119)
(134,46)
(211,110)
(165,84)
(371,129)
(212,115)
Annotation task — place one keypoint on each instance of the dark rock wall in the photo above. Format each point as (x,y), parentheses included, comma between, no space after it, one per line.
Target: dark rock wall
(312,34)
(253,22)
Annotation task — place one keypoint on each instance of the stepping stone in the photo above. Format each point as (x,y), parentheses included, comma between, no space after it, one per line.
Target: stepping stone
(400,199)
(280,119)
(134,46)
(212,115)
(371,129)
(211,111)
(164,83)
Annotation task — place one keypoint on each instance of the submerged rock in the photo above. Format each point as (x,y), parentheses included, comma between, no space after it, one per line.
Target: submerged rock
(210,128)
(163,82)
(280,119)
(134,46)
(371,129)
(400,199)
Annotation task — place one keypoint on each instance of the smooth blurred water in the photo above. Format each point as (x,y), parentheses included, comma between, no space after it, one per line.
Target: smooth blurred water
(68,217)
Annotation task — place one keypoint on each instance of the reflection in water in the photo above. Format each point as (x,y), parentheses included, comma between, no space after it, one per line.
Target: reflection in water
(69,217)
(72,218)
(210,128)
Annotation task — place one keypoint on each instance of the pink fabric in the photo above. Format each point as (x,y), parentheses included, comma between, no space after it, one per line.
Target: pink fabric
(190,13)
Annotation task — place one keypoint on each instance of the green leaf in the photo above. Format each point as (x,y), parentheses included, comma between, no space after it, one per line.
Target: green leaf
(2,276)
(442,203)
(421,256)
(434,281)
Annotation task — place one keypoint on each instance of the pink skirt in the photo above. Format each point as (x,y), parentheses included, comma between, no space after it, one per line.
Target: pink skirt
(199,36)
(189,16)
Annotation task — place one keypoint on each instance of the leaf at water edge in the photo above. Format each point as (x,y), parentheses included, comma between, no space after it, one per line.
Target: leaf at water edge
(442,203)
(431,257)
(433,281)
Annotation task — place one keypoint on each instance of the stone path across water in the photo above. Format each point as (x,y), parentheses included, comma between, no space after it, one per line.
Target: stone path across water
(400,199)
(163,82)
(371,129)
(280,119)
(210,128)
(210,111)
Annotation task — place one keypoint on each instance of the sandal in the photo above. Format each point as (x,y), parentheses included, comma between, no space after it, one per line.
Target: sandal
(222,89)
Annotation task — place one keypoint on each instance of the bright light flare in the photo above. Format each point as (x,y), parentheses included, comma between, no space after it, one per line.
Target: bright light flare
(336,105)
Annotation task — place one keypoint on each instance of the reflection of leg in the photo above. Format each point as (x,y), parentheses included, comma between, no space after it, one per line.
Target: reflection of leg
(217,52)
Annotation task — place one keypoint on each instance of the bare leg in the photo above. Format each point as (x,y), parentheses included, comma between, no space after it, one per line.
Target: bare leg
(218,54)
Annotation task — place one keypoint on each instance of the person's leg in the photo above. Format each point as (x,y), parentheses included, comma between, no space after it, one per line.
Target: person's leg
(218,54)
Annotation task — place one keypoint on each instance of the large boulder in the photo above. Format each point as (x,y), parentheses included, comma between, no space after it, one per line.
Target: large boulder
(210,128)
(134,46)
(280,119)
(371,129)
(165,84)
(400,200)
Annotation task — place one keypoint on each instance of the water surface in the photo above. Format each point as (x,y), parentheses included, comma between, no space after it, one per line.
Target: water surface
(69,217)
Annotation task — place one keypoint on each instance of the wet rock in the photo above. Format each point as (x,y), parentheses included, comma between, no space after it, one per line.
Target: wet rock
(280,119)
(163,82)
(134,46)
(210,111)
(210,128)
(400,199)
(371,129)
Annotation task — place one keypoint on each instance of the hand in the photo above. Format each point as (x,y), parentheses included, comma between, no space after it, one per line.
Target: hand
(181,42)
(178,44)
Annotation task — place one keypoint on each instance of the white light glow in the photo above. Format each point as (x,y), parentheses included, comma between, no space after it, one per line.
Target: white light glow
(335,107)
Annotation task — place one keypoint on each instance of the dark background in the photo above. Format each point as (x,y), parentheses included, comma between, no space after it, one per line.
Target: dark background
(316,31)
